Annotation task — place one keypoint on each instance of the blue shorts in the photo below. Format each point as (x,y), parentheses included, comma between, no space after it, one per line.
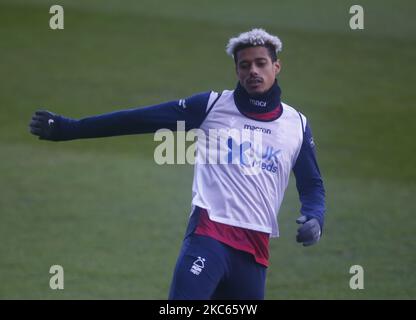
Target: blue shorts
(208,269)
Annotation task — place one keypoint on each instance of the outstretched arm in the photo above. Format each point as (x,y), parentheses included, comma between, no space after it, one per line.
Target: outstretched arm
(49,126)
(311,192)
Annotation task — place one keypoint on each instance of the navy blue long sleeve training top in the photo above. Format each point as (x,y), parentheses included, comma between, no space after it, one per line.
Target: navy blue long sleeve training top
(149,119)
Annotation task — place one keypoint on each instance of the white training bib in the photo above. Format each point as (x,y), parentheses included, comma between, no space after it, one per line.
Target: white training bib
(246,185)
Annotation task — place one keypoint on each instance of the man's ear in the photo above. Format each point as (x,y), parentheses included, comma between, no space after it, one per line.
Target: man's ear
(277,66)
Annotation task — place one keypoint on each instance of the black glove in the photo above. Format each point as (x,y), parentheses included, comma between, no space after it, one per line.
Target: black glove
(310,231)
(45,125)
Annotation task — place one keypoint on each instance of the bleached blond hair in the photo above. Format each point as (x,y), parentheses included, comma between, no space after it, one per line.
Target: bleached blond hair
(254,37)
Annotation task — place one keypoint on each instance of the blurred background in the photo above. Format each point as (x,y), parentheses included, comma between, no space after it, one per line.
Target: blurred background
(114,219)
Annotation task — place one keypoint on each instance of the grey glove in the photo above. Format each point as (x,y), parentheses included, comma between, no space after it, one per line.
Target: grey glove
(44,124)
(310,231)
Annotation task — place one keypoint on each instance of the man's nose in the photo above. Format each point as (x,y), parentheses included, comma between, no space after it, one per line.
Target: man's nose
(253,70)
